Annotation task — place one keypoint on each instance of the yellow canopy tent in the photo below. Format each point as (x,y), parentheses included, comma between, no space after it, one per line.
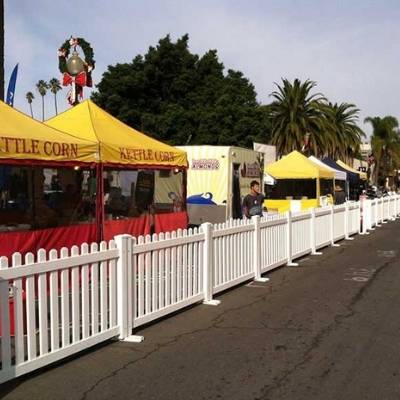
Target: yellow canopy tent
(119,143)
(362,175)
(142,177)
(22,138)
(295,166)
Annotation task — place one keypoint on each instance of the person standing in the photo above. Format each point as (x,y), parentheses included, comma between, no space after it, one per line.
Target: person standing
(340,197)
(253,202)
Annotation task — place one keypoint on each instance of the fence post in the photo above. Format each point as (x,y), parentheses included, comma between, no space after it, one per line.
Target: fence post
(208,258)
(332,218)
(377,212)
(313,236)
(383,211)
(364,217)
(346,222)
(257,250)
(125,295)
(290,262)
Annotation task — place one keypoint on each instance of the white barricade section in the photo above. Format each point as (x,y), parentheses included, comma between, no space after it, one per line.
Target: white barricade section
(56,304)
(273,242)
(301,241)
(353,218)
(233,245)
(167,274)
(323,227)
(339,222)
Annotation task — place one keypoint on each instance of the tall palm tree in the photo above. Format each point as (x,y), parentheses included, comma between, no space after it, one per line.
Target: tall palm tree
(297,118)
(29,96)
(55,87)
(42,87)
(385,143)
(345,134)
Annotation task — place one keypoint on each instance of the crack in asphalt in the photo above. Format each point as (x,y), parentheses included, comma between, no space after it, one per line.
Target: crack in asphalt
(217,320)
(214,322)
(316,341)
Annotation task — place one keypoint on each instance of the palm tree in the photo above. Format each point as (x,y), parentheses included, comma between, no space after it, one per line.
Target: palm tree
(345,134)
(297,119)
(385,143)
(42,87)
(29,96)
(55,87)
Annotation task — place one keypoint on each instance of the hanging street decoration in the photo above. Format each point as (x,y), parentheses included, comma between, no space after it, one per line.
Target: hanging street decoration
(76,72)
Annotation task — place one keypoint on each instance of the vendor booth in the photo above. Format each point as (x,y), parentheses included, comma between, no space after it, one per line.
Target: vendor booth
(98,180)
(300,184)
(362,182)
(353,182)
(340,175)
(143,180)
(44,185)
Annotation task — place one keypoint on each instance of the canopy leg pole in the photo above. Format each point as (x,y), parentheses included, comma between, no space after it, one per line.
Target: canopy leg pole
(99,202)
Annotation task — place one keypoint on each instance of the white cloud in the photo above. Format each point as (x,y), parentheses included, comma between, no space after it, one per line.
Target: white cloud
(349,50)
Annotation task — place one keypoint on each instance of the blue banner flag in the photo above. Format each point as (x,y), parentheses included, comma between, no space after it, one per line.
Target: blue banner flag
(11,87)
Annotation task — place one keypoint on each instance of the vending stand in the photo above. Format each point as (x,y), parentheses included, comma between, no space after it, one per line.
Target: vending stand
(299,183)
(99,179)
(218,179)
(36,209)
(143,185)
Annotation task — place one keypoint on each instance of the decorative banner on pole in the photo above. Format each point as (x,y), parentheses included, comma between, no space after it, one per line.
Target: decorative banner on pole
(11,87)
(77,73)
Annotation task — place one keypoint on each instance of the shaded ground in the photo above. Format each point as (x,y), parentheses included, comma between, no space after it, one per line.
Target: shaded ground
(328,329)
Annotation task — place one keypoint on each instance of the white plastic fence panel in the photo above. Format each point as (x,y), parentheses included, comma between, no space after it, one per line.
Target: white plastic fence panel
(339,216)
(167,272)
(322,227)
(301,242)
(353,217)
(39,306)
(273,241)
(233,253)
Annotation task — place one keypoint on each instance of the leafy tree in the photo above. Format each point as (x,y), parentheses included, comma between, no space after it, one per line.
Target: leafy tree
(182,98)
(344,135)
(55,87)
(297,118)
(310,123)
(42,87)
(29,96)
(385,143)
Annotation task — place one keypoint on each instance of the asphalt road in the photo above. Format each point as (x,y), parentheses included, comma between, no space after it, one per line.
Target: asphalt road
(328,329)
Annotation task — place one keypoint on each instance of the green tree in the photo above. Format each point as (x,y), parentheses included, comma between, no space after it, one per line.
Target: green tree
(29,96)
(385,143)
(298,119)
(343,134)
(182,98)
(55,87)
(42,87)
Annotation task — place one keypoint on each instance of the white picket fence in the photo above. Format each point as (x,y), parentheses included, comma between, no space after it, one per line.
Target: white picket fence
(60,304)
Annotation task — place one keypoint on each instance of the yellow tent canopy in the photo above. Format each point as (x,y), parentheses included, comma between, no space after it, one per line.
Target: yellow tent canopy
(23,138)
(296,166)
(119,143)
(362,175)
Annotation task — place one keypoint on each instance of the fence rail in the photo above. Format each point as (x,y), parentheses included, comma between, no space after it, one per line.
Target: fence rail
(56,304)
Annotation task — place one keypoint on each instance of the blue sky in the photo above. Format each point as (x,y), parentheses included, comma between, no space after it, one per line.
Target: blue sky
(350,48)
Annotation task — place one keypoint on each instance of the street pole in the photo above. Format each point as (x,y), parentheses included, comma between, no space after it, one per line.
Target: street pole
(2,50)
